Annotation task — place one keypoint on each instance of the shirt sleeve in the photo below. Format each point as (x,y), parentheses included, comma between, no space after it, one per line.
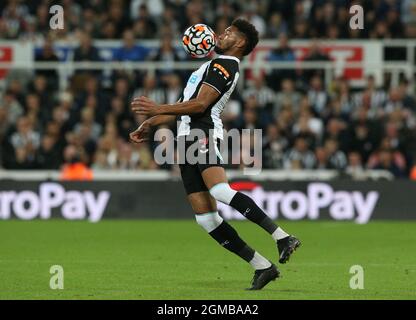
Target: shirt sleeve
(220,74)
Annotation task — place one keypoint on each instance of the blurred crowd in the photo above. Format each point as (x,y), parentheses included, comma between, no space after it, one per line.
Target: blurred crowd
(306,124)
(148,19)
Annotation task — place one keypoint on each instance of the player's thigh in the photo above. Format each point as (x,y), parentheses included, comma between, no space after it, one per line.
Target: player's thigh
(214,175)
(202,202)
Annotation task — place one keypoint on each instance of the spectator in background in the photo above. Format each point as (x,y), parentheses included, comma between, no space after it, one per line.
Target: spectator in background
(121,117)
(221,24)
(308,126)
(25,136)
(321,159)
(317,95)
(118,17)
(233,111)
(173,88)
(32,108)
(42,19)
(39,99)
(166,54)
(11,106)
(86,52)
(25,141)
(155,7)
(88,22)
(48,156)
(252,15)
(144,27)
(409,101)
(300,29)
(93,96)
(169,21)
(336,158)
(252,117)
(342,94)
(264,95)
(281,54)
(108,30)
(248,120)
(287,96)
(299,157)
(276,26)
(315,54)
(397,157)
(130,51)
(47,54)
(362,141)
(386,162)
(191,12)
(355,163)
(336,129)
(15,16)
(88,121)
(74,168)
(274,145)
(4,124)
(122,89)
(151,90)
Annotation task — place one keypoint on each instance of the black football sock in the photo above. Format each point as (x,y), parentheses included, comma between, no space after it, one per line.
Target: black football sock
(226,236)
(248,208)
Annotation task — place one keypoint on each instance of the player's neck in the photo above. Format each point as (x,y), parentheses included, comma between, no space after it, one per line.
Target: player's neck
(232,53)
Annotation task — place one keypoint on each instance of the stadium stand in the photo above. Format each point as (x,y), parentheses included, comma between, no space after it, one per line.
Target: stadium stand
(307,123)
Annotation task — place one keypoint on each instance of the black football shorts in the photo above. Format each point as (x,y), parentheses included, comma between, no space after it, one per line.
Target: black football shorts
(196,156)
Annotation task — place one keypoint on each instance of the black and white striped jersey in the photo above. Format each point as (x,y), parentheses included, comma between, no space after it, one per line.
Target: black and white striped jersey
(221,74)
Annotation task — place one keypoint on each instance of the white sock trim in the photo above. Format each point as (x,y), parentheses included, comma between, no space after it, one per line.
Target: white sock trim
(209,221)
(279,233)
(223,192)
(259,262)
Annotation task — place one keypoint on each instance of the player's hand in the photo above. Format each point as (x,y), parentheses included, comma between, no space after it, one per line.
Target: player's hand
(141,134)
(144,106)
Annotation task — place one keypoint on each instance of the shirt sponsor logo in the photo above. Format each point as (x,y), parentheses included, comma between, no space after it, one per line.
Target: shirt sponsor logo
(193,78)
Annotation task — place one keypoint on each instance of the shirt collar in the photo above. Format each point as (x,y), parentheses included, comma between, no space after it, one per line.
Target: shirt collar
(229,57)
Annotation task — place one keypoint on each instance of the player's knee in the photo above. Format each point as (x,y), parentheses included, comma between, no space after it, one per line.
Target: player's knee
(209,221)
(223,192)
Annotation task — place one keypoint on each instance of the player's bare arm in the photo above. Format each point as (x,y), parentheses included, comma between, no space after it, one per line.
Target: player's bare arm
(206,96)
(141,134)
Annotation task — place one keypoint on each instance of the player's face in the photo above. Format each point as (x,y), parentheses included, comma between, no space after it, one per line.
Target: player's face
(227,39)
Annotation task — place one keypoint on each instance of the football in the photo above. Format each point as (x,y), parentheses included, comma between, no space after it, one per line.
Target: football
(199,40)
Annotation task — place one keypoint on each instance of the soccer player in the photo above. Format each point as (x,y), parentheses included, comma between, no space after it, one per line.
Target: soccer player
(200,106)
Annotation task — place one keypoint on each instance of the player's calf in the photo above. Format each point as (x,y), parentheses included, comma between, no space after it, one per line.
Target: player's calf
(248,208)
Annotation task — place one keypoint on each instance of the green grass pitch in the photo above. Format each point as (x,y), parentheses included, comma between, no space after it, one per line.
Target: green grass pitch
(157,259)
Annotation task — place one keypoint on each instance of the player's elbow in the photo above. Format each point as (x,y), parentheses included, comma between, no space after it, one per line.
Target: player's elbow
(201,106)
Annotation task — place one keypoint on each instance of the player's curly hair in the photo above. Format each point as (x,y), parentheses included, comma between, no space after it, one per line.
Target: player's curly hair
(249,31)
